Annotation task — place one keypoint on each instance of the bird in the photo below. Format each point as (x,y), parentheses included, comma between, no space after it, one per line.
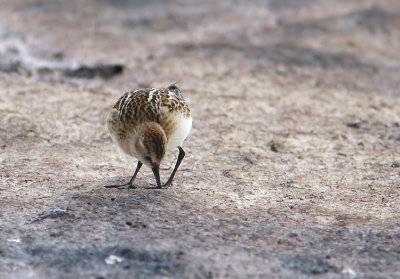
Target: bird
(148,122)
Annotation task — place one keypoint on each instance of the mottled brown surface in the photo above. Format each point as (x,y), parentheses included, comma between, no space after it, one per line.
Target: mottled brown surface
(292,169)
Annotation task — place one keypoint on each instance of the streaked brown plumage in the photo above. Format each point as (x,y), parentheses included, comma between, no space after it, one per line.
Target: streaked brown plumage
(146,123)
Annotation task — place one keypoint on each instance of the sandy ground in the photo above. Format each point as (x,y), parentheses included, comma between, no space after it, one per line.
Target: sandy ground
(292,168)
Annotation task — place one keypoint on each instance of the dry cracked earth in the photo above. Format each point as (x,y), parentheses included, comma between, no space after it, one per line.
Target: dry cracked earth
(292,167)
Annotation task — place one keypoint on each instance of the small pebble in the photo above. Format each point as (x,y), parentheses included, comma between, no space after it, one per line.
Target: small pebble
(274,147)
(113,259)
(350,272)
(354,124)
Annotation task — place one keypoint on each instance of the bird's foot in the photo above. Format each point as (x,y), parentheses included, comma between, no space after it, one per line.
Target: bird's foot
(165,186)
(123,186)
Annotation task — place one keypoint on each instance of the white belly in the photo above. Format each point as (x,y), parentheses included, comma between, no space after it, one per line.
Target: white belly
(180,134)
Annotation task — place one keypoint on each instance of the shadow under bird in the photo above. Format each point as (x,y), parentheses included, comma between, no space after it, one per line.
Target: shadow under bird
(146,123)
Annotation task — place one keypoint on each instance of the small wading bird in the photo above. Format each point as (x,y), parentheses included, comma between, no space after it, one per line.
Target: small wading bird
(146,123)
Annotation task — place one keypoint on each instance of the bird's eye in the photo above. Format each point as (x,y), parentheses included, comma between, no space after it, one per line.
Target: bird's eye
(173,87)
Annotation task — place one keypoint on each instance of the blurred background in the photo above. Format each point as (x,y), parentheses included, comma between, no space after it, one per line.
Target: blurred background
(343,44)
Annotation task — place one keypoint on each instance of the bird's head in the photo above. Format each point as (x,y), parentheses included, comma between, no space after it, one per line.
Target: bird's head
(153,144)
(174,89)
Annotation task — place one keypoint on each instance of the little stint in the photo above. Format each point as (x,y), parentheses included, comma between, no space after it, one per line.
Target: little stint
(146,123)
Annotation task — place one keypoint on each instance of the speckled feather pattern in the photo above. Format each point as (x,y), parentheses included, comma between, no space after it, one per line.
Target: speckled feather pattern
(148,114)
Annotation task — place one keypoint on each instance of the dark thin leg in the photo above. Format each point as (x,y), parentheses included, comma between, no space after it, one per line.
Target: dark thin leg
(156,171)
(178,162)
(169,182)
(130,183)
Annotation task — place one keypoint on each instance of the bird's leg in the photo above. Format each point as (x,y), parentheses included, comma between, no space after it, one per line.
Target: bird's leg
(156,171)
(178,162)
(130,183)
(169,182)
